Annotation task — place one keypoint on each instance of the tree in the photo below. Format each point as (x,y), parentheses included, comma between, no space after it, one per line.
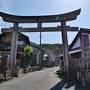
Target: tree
(27,56)
(28,50)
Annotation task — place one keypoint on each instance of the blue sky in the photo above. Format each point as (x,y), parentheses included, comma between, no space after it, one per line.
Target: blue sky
(47,7)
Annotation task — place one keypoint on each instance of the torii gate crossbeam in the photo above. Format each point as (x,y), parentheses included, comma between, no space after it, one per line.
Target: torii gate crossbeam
(43,29)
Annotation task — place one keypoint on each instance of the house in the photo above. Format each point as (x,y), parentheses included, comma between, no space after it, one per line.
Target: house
(23,40)
(5,46)
(49,57)
(79,56)
(37,57)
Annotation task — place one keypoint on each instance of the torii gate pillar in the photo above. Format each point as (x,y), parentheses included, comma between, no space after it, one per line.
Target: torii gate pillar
(65,47)
(14,48)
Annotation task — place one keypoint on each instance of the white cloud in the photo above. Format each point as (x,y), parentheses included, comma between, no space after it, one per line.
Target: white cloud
(0,22)
(69,5)
(5,5)
(0,30)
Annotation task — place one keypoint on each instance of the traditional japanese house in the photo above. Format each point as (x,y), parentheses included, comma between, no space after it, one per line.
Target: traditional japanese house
(5,46)
(37,56)
(79,56)
(23,40)
(49,57)
(80,59)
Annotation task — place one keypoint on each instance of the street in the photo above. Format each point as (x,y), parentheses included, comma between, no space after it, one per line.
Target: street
(39,80)
(45,79)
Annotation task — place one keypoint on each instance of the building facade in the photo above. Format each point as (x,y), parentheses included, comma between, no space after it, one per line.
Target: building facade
(23,40)
(5,46)
(37,57)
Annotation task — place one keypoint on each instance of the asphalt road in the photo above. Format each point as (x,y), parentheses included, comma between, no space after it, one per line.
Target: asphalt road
(39,80)
(45,79)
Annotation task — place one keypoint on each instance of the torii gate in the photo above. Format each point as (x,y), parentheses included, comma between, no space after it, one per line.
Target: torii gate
(63,18)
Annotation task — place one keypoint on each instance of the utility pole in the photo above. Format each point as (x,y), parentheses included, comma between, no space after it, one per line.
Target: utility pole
(40,27)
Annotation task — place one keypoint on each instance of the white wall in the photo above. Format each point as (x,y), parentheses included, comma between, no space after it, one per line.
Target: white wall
(77,44)
(37,52)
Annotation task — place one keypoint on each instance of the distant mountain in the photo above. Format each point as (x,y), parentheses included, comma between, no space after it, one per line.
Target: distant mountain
(52,46)
(55,47)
